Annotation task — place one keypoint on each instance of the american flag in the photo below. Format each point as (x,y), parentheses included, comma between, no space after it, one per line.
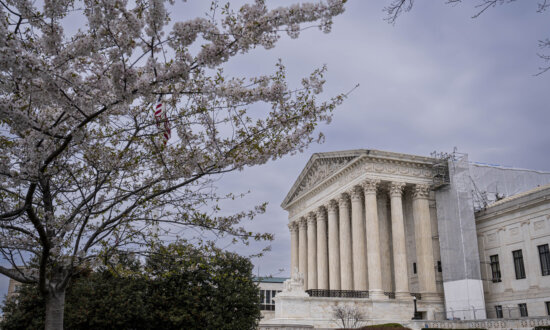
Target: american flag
(162,120)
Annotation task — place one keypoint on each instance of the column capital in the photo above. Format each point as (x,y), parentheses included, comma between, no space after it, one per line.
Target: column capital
(311,219)
(320,213)
(303,223)
(332,206)
(421,191)
(370,186)
(293,227)
(355,193)
(343,200)
(396,189)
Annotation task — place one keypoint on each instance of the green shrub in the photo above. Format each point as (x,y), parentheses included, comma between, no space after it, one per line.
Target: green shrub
(180,293)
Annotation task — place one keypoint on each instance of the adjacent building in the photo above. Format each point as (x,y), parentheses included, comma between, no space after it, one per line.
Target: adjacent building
(269,287)
(514,237)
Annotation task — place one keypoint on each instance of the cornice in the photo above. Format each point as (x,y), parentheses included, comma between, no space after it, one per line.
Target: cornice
(514,204)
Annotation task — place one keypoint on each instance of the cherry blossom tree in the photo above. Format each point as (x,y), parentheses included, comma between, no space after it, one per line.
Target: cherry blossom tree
(85,169)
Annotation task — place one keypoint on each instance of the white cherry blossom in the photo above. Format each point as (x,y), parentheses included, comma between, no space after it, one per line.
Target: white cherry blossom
(84,172)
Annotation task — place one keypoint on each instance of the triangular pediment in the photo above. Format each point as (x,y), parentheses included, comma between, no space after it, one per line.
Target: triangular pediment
(320,167)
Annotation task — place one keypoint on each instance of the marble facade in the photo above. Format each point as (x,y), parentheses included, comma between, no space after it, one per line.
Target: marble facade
(364,220)
(517,223)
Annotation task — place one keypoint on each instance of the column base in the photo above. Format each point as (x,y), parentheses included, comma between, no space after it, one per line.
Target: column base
(432,296)
(377,295)
(403,296)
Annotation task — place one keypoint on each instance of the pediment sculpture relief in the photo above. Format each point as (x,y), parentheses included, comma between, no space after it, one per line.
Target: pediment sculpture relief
(320,170)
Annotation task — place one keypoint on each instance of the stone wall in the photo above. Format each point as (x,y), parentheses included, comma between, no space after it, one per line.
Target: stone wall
(318,311)
(521,324)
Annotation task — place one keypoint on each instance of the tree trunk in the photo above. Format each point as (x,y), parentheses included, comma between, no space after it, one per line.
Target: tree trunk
(55,305)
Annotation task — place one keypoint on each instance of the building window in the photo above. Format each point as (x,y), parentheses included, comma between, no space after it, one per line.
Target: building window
(266,299)
(498,309)
(518,264)
(544,256)
(495,269)
(439,266)
(523,310)
(414,267)
(547,307)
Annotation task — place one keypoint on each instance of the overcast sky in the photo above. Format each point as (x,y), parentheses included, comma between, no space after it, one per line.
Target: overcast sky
(435,80)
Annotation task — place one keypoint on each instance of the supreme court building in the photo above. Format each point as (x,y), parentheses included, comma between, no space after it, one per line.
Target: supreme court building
(400,236)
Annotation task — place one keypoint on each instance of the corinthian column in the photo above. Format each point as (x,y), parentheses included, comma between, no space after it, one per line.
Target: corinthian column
(398,238)
(346,269)
(423,236)
(373,238)
(294,265)
(322,253)
(358,232)
(311,251)
(302,260)
(333,246)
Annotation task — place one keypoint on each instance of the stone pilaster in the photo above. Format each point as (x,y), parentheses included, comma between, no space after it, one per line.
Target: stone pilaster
(485,263)
(423,236)
(358,239)
(302,260)
(346,263)
(373,238)
(294,254)
(333,246)
(399,241)
(311,251)
(322,249)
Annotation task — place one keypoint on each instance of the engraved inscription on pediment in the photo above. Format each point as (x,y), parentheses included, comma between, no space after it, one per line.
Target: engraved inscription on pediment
(319,171)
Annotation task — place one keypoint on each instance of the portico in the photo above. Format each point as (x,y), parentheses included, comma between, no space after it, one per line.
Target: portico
(352,251)
(361,220)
